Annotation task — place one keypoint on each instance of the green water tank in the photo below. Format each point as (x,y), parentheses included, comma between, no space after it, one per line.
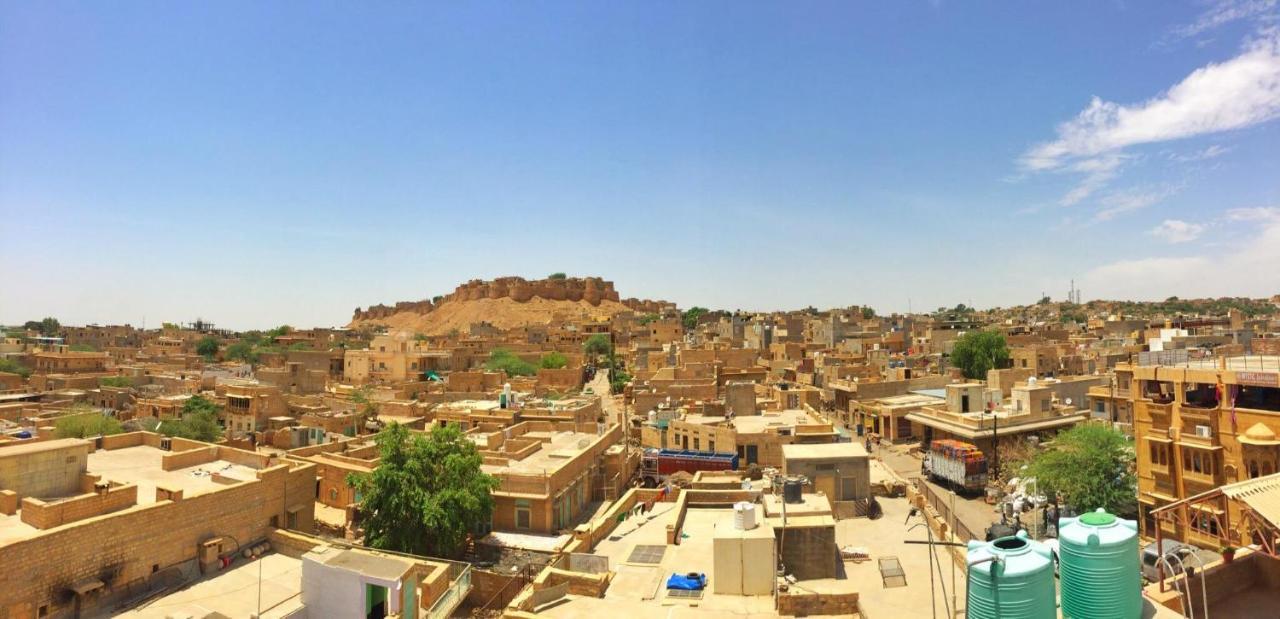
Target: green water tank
(1098,564)
(1017,584)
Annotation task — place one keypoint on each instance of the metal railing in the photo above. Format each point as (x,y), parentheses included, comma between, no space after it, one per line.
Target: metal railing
(458,589)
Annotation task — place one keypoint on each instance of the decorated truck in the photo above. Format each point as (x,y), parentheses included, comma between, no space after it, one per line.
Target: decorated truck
(960,465)
(658,464)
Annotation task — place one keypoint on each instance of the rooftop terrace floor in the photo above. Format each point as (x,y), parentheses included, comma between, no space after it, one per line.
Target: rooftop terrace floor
(234,592)
(141,465)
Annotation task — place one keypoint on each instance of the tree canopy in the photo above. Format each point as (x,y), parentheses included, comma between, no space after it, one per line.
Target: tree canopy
(242,351)
(48,327)
(978,351)
(553,361)
(504,360)
(868,313)
(1091,466)
(691,316)
(557,276)
(199,421)
(207,347)
(426,494)
(597,345)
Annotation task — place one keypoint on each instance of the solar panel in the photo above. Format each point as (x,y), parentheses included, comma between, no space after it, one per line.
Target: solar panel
(648,555)
(684,594)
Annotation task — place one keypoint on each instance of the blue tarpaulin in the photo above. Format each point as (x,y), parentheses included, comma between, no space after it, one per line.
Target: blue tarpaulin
(687,582)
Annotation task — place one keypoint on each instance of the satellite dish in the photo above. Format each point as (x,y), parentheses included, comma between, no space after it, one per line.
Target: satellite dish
(1068,401)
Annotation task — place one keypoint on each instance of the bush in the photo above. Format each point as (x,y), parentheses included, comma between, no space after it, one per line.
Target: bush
(503,360)
(557,276)
(86,424)
(554,361)
(13,367)
(115,381)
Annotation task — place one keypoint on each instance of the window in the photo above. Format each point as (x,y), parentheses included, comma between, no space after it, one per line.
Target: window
(523,514)
(333,494)
(711,446)
(1204,523)
(697,443)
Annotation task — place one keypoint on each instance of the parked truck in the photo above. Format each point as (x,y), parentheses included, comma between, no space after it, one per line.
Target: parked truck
(960,465)
(658,464)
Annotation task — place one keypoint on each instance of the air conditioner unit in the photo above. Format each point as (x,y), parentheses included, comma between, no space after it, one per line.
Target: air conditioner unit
(1204,431)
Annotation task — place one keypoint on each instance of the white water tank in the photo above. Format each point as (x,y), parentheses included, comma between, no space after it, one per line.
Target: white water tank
(744,516)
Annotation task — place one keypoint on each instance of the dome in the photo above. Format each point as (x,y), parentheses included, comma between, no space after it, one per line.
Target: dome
(1259,434)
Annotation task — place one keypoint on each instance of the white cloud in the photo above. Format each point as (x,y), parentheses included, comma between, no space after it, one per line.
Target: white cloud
(1177,231)
(1233,272)
(1120,202)
(1210,152)
(1235,94)
(1259,213)
(1238,93)
(1225,12)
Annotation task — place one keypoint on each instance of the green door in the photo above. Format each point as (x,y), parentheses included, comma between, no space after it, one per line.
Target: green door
(375,601)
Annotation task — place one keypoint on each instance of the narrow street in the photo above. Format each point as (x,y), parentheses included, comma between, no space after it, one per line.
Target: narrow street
(974,513)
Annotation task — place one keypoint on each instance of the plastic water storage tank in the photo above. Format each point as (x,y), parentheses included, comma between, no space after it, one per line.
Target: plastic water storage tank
(1098,565)
(792,490)
(744,516)
(1017,585)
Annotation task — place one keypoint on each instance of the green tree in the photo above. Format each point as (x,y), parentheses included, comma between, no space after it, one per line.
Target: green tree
(1091,466)
(277,332)
(691,316)
(597,345)
(115,381)
(199,421)
(648,318)
(553,361)
(49,327)
(242,351)
(207,347)
(1043,300)
(868,313)
(503,360)
(618,380)
(84,422)
(426,494)
(13,367)
(557,276)
(978,351)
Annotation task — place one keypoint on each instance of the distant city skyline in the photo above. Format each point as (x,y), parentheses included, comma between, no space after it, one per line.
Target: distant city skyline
(257,164)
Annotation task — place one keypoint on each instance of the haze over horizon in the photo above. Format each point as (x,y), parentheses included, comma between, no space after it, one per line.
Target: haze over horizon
(255,164)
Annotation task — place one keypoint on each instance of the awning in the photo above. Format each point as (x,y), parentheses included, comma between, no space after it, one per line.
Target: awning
(87,585)
(1261,494)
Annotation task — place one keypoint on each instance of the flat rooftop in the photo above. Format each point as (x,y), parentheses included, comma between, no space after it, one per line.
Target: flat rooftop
(141,465)
(558,449)
(641,588)
(824,451)
(233,592)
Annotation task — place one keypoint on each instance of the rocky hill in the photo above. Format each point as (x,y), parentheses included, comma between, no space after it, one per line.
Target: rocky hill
(506,302)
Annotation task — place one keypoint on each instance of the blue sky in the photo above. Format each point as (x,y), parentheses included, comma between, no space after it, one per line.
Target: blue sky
(263,163)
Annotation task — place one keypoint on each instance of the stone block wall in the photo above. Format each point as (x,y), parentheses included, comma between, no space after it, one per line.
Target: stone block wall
(42,515)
